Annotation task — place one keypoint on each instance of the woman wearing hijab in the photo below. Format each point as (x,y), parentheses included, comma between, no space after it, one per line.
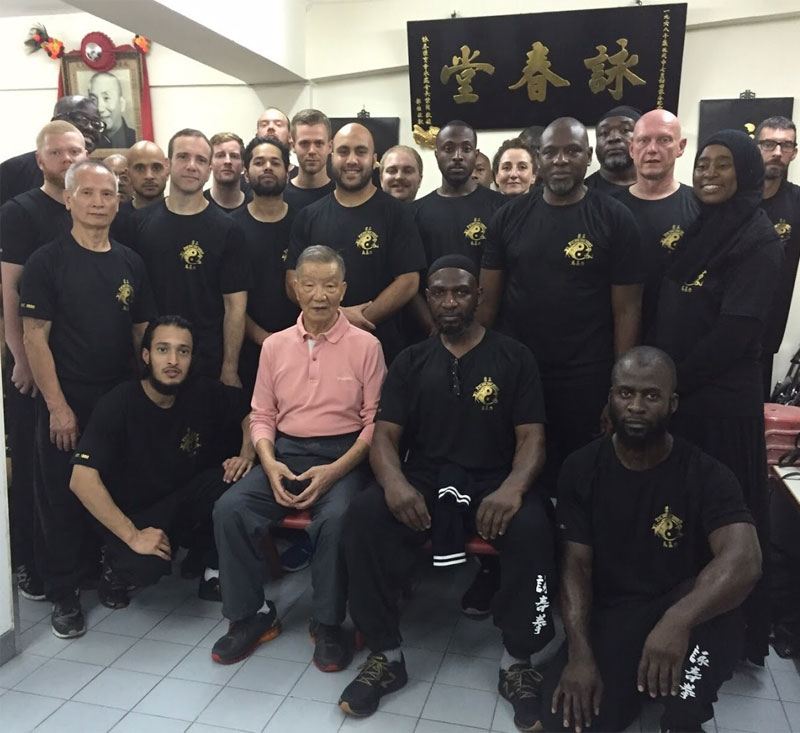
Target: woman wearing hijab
(712,307)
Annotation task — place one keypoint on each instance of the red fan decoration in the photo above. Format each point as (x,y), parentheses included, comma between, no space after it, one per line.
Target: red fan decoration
(40,38)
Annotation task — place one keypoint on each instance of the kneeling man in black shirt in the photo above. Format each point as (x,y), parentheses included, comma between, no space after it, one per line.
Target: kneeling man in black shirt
(660,552)
(468,404)
(154,458)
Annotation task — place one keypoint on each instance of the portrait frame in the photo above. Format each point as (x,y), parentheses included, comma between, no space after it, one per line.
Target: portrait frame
(128,71)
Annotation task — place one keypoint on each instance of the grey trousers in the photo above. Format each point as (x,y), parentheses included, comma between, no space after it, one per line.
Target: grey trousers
(244,513)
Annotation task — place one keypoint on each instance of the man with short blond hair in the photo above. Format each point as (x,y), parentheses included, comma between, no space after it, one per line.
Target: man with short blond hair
(311,143)
(401,172)
(227,151)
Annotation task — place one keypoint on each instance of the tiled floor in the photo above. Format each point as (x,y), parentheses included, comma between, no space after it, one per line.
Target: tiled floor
(148,669)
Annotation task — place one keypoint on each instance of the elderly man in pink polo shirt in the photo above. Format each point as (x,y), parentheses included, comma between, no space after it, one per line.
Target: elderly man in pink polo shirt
(314,403)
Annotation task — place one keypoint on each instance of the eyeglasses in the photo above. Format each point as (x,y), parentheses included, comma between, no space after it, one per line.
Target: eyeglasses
(82,120)
(769,145)
(455,378)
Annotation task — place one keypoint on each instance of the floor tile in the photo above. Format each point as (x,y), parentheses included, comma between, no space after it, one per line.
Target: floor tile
(202,728)
(477,639)
(130,621)
(750,714)
(455,705)
(95,613)
(322,686)
(792,711)
(21,712)
(17,669)
(166,595)
(97,647)
(39,639)
(436,726)
(195,606)
(198,666)
(211,637)
(422,664)
(503,720)
(244,710)
(434,637)
(118,688)
(380,722)
(77,717)
(473,672)
(408,701)
(182,629)
(752,681)
(153,657)
(139,723)
(295,714)
(294,646)
(180,699)
(788,684)
(59,678)
(268,675)
(778,664)
(33,610)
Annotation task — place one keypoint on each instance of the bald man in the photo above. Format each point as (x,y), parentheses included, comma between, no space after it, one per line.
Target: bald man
(105,90)
(374,233)
(565,266)
(118,164)
(662,206)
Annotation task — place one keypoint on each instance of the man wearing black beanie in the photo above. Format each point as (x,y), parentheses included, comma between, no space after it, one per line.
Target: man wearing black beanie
(613,134)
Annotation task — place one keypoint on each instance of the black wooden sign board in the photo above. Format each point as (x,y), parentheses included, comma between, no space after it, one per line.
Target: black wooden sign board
(511,71)
(739,114)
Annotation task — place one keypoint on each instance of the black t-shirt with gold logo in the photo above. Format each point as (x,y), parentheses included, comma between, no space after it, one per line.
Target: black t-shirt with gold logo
(192,261)
(144,452)
(648,529)
(456,224)
(92,300)
(464,410)
(29,221)
(662,224)
(783,210)
(560,263)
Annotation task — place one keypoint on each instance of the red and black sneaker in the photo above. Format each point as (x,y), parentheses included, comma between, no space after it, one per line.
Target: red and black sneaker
(333,646)
(245,636)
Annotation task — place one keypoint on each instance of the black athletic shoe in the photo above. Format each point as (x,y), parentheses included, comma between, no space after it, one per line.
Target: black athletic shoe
(333,647)
(520,684)
(111,592)
(66,620)
(29,583)
(377,677)
(193,565)
(209,590)
(245,636)
(477,600)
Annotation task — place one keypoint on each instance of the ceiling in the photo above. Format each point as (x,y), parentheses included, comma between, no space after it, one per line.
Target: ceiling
(10,8)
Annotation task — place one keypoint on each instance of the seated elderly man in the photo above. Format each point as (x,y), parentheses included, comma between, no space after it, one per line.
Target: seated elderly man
(468,403)
(314,402)
(660,552)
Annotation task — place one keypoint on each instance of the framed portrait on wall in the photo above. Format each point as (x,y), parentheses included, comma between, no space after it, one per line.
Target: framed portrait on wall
(117,92)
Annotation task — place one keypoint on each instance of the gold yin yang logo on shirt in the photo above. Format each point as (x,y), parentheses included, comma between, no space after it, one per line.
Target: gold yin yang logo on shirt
(125,295)
(579,250)
(284,254)
(192,255)
(783,229)
(475,232)
(668,528)
(190,442)
(367,241)
(671,237)
(486,394)
(696,283)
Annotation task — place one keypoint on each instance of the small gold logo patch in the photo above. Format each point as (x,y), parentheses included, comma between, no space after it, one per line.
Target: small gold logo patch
(486,394)
(190,442)
(284,254)
(192,255)
(784,229)
(696,283)
(579,250)
(367,241)
(125,295)
(475,232)
(671,238)
(668,528)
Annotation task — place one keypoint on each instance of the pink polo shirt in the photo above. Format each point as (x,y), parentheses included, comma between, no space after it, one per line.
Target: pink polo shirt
(331,389)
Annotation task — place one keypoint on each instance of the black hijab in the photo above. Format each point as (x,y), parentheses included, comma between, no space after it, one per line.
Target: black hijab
(722,232)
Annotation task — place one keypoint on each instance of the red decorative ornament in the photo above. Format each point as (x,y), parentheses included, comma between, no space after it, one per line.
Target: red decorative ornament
(40,38)
(142,43)
(54,48)
(97,51)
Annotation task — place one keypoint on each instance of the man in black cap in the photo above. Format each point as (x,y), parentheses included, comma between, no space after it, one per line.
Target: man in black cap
(468,406)
(614,134)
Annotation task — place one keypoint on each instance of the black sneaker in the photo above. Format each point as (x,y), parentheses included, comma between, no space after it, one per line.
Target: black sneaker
(376,677)
(245,636)
(209,590)
(477,600)
(111,592)
(333,647)
(66,620)
(29,583)
(520,685)
(193,565)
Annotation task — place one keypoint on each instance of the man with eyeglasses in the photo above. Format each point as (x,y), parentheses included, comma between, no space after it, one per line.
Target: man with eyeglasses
(777,139)
(21,173)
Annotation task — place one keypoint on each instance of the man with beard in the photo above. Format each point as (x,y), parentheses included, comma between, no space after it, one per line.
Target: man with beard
(311,142)
(467,406)
(22,172)
(152,461)
(662,206)
(563,271)
(374,233)
(28,221)
(267,223)
(777,139)
(227,151)
(401,172)
(614,133)
(659,553)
